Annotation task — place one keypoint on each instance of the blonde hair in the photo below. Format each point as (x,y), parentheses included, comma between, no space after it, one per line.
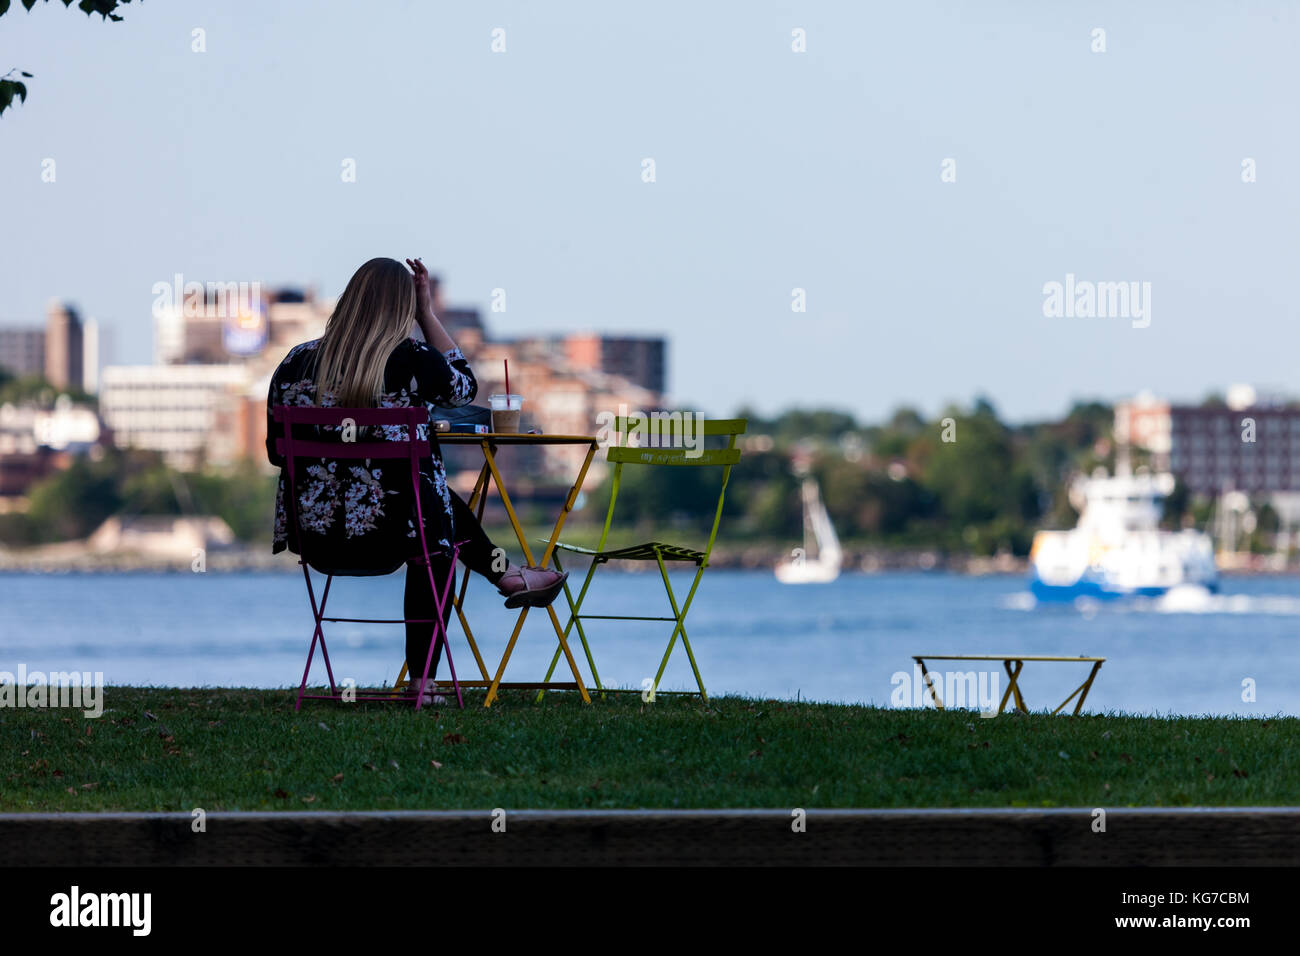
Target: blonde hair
(372,317)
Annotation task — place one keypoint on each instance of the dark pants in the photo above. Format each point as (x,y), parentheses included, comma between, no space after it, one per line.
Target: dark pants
(476,554)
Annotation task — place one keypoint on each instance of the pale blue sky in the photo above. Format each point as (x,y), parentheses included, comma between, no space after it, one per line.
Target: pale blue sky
(775,170)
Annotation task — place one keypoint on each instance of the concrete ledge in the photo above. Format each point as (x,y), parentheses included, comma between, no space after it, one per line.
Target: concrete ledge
(1248,836)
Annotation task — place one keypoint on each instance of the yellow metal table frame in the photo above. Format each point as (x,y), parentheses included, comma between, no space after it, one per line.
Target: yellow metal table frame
(1013,673)
(489,473)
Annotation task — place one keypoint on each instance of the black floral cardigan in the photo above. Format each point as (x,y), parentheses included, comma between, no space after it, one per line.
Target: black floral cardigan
(360,517)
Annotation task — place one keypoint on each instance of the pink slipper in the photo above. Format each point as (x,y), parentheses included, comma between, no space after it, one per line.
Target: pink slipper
(534,587)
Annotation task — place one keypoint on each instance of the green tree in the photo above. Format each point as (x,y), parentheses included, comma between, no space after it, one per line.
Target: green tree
(35,389)
(243,497)
(818,423)
(13,86)
(892,439)
(986,494)
(763,497)
(75,501)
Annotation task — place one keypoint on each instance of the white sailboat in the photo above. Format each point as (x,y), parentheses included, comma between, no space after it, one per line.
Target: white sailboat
(818,535)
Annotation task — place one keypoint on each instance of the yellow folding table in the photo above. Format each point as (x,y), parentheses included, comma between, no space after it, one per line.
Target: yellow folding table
(1014,674)
(489,473)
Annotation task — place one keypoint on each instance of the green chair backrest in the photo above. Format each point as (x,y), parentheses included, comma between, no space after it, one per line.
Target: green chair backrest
(661,441)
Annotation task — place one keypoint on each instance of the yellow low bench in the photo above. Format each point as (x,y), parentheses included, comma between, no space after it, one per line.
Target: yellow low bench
(1013,673)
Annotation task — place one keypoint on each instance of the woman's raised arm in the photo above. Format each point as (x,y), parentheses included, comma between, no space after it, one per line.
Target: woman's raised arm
(430,325)
(442,371)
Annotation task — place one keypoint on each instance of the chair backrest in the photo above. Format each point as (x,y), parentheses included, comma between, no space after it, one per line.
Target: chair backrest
(290,415)
(662,442)
(292,448)
(664,438)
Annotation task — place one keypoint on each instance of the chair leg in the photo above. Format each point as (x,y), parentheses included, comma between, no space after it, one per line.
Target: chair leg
(480,495)
(302,688)
(443,636)
(686,641)
(324,651)
(318,633)
(442,625)
(311,650)
(568,654)
(680,627)
(574,621)
(440,632)
(459,604)
(582,635)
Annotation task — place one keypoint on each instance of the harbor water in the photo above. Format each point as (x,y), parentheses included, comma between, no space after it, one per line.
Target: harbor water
(850,640)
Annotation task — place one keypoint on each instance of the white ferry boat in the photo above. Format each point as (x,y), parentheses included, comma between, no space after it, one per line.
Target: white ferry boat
(1117,549)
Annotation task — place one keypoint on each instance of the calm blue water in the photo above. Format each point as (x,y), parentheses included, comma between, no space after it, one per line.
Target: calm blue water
(843,641)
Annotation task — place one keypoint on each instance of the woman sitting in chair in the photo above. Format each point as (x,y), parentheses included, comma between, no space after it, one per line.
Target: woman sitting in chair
(368,359)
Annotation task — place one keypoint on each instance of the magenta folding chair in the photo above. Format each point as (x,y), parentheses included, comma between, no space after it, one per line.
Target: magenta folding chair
(414,449)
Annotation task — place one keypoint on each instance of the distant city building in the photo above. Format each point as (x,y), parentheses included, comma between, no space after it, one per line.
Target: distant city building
(639,359)
(239,426)
(93,341)
(205,399)
(35,441)
(460,323)
(566,382)
(173,409)
(558,398)
(168,335)
(213,330)
(1223,449)
(65,353)
(64,347)
(1244,445)
(65,427)
(22,351)
(464,325)
(1144,423)
(22,460)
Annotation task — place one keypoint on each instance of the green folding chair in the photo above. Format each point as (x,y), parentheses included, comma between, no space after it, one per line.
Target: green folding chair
(658,448)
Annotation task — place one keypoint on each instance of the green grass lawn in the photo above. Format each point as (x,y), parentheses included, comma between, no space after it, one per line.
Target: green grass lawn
(174,750)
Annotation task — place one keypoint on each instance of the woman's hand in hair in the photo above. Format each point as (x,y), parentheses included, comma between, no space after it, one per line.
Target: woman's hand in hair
(433,331)
(423,292)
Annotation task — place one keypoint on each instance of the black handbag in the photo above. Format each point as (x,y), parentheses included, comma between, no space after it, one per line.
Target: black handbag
(464,415)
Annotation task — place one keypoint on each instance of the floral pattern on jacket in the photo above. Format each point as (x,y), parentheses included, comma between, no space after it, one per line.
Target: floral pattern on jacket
(360,514)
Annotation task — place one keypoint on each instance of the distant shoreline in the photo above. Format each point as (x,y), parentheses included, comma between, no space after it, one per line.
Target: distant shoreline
(740,558)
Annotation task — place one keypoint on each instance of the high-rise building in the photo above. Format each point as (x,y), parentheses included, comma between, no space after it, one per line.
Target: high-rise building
(1244,445)
(168,335)
(64,355)
(639,359)
(22,351)
(77,347)
(92,346)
